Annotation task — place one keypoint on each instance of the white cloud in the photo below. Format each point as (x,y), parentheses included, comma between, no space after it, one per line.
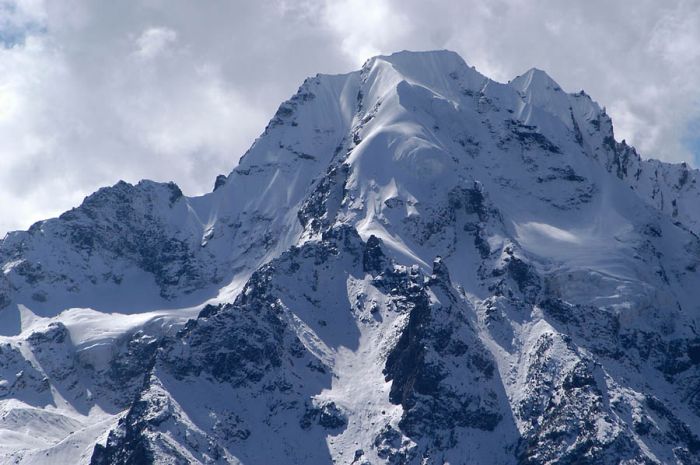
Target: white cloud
(94,92)
(364,26)
(153,41)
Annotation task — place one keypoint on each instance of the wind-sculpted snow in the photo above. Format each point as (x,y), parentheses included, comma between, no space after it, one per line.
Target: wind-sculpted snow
(413,264)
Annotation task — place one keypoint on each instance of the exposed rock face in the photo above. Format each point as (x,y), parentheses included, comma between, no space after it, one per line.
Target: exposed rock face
(292,314)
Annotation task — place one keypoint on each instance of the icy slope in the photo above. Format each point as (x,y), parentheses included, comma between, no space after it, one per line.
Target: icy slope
(412,264)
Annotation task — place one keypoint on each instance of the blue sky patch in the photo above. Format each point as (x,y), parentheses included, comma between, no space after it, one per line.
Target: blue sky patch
(13,28)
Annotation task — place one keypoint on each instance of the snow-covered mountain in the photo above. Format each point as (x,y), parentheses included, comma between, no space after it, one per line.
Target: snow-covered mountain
(413,264)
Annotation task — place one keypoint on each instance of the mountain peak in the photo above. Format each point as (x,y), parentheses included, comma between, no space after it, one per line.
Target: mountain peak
(418,57)
(297,300)
(436,70)
(535,78)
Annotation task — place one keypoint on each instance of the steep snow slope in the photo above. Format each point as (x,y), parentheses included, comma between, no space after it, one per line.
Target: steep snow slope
(412,264)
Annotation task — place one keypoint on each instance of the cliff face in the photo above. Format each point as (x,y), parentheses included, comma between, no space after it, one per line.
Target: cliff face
(412,264)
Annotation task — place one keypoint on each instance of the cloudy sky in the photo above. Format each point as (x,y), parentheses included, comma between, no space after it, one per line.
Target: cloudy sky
(96,91)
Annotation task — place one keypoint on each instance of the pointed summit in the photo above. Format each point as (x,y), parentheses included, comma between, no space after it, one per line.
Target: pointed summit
(539,90)
(535,80)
